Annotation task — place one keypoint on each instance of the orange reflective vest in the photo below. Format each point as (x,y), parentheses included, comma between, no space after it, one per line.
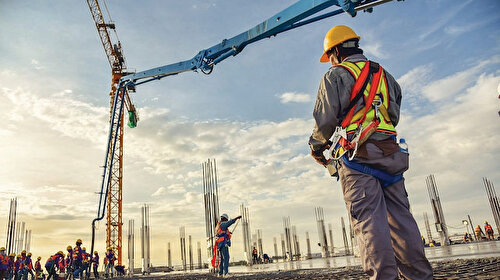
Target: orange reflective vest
(477,229)
(223,234)
(488,229)
(380,95)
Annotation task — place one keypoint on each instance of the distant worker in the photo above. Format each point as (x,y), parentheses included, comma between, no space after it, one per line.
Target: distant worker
(28,264)
(266,258)
(85,261)
(4,263)
(255,255)
(423,240)
(68,262)
(11,264)
(95,264)
(17,267)
(51,265)
(38,268)
(223,243)
(110,262)
(479,233)
(371,162)
(77,259)
(489,231)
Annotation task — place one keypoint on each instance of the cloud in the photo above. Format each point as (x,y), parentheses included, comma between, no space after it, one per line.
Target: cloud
(453,84)
(36,64)
(161,191)
(295,97)
(444,19)
(375,49)
(411,85)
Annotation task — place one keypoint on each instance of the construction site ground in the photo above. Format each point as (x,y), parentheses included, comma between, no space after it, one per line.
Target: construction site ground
(479,268)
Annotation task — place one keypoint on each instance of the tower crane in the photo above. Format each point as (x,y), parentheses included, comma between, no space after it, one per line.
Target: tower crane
(114,188)
(301,13)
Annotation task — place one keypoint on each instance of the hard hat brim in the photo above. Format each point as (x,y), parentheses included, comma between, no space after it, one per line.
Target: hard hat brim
(324,58)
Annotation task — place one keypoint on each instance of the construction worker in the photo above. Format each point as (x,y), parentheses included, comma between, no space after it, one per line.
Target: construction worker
(95,264)
(10,268)
(255,255)
(223,242)
(69,260)
(77,259)
(52,264)
(479,233)
(17,268)
(28,267)
(4,263)
(489,231)
(38,268)
(110,262)
(371,162)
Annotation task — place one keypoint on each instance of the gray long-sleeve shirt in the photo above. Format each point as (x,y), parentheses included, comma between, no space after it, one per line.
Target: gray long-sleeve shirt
(333,98)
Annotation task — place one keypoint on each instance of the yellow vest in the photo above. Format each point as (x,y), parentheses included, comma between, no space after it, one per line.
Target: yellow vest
(382,96)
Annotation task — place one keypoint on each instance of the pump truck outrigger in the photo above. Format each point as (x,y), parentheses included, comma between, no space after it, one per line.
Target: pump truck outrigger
(301,13)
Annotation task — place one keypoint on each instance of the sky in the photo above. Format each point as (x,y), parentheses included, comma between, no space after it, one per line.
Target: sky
(253,114)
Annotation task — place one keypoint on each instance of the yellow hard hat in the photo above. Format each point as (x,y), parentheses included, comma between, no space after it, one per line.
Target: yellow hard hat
(29,254)
(12,255)
(2,249)
(23,252)
(60,253)
(485,222)
(84,249)
(69,248)
(79,241)
(95,253)
(18,256)
(335,36)
(39,258)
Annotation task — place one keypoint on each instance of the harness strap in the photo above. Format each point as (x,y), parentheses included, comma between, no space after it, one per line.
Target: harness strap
(358,89)
(385,178)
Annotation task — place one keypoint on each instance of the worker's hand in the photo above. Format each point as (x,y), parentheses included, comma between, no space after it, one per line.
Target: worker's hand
(318,154)
(239,217)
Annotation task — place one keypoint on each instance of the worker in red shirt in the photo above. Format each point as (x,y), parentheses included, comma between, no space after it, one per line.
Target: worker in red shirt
(95,264)
(38,268)
(489,231)
(28,267)
(4,263)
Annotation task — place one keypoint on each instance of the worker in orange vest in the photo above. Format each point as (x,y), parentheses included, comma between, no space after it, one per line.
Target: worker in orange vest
(489,231)
(479,233)
(223,243)
(4,263)
(357,107)
(38,268)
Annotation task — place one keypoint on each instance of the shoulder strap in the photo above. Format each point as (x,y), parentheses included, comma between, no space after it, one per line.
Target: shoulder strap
(358,90)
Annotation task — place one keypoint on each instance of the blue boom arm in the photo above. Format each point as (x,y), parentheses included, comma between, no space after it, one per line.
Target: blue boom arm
(296,15)
(291,17)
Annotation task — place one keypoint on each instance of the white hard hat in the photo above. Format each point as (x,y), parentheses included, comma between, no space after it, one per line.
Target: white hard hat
(225,216)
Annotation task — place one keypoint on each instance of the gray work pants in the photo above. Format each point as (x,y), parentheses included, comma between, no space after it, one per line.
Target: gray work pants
(387,234)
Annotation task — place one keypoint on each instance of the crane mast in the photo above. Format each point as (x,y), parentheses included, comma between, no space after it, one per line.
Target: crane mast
(114,221)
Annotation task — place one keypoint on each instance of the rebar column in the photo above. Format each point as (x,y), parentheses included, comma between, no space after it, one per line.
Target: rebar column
(493,200)
(145,239)
(330,232)
(308,243)
(198,244)
(296,245)
(427,227)
(259,242)
(245,224)
(182,233)
(344,235)
(190,254)
(275,248)
(11,227)
(169,255)
(320,222)
(211,202)
(288,237)
(437,209)
(283,250)
(130,239)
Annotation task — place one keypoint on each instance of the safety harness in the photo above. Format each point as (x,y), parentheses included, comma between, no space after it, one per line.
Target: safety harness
(224,236)
(361,124)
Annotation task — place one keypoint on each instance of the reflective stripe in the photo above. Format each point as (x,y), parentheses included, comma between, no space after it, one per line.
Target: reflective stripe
(382,96)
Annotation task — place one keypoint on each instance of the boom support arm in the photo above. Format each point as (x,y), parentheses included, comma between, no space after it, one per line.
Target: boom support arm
(291,17)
